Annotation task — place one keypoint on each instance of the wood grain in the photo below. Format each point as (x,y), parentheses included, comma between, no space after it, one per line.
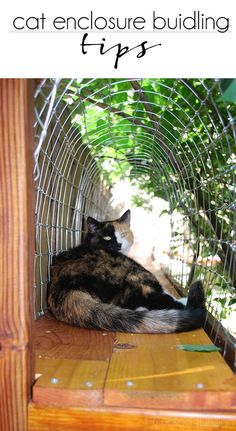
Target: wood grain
(213,328)
(156,374)
(78,358)
(70,383)
(16,251)
(142,370)
(101,419)
(56,340)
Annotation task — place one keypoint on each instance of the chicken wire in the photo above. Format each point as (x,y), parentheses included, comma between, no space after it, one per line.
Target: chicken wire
(175,139)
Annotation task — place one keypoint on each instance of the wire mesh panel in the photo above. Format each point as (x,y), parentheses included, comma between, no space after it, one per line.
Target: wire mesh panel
(172,138)
(68,185)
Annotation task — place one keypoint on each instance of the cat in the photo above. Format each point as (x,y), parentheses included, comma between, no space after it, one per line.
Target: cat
(96,285)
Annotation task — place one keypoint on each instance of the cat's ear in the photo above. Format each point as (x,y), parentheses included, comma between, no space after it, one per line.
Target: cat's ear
(125,218)
(92,224)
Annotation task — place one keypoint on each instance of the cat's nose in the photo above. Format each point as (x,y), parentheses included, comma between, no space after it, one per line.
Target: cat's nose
(119,245)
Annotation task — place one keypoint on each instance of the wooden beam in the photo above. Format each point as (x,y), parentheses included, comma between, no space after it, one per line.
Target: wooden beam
(16,251)
(64,419)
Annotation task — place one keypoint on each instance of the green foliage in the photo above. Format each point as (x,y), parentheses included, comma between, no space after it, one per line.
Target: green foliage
(229,95)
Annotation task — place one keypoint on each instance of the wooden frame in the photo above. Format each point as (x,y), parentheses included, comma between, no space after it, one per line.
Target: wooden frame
(16,251)
(50,419)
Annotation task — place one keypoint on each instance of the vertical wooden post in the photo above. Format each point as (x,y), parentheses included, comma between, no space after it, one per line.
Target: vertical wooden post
(16,251)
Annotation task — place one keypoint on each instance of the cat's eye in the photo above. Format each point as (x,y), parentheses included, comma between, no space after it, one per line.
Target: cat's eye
(107,238)
(124,234)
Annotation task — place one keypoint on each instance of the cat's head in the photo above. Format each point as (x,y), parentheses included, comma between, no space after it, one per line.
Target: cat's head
(114,235)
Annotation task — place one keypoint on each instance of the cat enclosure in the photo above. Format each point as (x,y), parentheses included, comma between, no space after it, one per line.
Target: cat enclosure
(172,140)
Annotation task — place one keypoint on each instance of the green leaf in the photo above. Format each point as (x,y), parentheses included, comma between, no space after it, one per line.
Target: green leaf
(229,94)
(199,347)
(225,83)
(120,97)
(232,301)
(164,212)
(101,124)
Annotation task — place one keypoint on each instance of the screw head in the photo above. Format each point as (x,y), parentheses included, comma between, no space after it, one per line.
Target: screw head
(130,384)
(199,385)
(54,381)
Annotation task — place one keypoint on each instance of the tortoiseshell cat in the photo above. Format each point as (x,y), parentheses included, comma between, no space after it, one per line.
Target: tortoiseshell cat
(95,285)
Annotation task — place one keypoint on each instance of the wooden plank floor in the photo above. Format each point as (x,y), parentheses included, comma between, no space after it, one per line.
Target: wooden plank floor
(80,368)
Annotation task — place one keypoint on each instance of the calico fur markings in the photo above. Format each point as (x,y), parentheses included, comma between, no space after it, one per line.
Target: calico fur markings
(96,285)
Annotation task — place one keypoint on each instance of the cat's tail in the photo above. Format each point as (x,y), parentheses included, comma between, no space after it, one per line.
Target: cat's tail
(179,320)
(80,309)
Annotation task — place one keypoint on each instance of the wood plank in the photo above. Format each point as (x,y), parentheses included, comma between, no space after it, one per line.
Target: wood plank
(69,383)
(213,328)
(50,419)
(156,374)
(78,358)
(55,340)
(16,250)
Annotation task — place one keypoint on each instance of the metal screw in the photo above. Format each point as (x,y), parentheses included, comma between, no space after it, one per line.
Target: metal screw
(199,385)
(130,384)
(54,380)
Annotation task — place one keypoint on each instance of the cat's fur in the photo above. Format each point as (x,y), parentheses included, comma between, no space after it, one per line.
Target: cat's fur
(95,285)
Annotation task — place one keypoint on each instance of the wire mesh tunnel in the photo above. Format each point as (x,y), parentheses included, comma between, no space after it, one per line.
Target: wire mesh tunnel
(172,139)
